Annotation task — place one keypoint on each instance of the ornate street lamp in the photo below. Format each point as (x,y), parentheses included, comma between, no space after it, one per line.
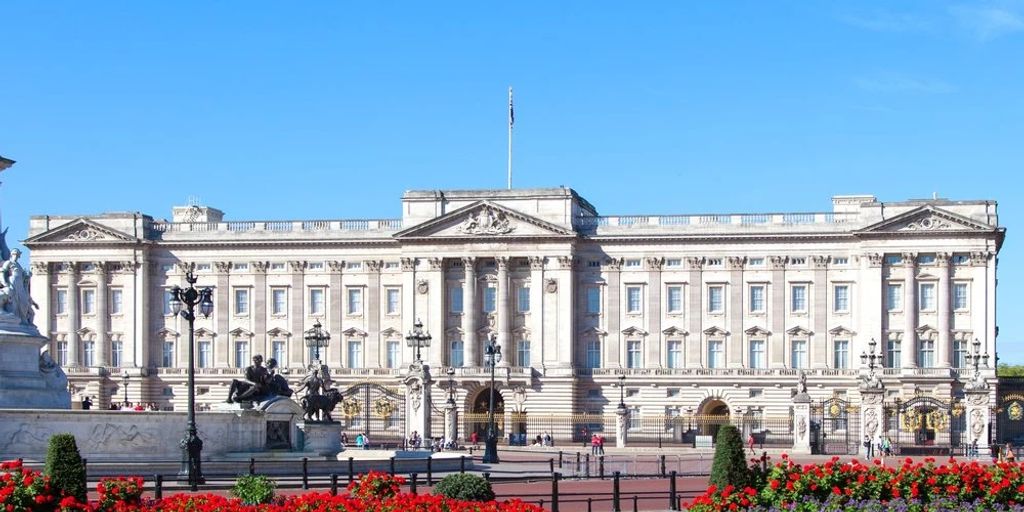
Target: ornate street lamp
(183,302)
(418,338)
(622,394)
(871,358)
(317,338)
(492,356)
(451,385)
(125,377)
(976,360)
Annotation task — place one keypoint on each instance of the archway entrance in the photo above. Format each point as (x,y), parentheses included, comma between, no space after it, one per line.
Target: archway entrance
(711,416)
(476,420)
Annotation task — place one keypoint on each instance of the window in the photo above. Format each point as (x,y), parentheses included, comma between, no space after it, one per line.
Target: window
(317,298)
(926,259)
(959,354)
(241,353)
(594,264)
(634,358)
(799,302)
(390,264)
(841,356)
(960,259)
(241,301)
(927,297)
(799,359)
(674,262)
(240,266)
(893,259)
(394,357)
(279,301)
(314,354)
(277,266)
(277,348)
(315,265)
(116,353)
(892,353)
(716,357)
(89,353)
(167,303)
(523,353)
(715,304)
(841,298)
(798,261)
(167,358)
(61,301)
(355,354)
(675,354)
(204,354)
(593,300)
(455,299)
(633,263)
(757,298)
(925,353)
(757,355)
(62,353)
(593,356)
(456,356)
(633,304)
(756,262)
(355,301)
(634,417)
(675,299)
(394,297)
(714,262)
(490,299)
(88,302)
(354,265)
(523,299)
(840,261)
(960,297)
(894,297)
(203,267)
(116,301)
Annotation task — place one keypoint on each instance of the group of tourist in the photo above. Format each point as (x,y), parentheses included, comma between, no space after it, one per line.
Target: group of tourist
(362,441)
(597,444)
(543,439)
(87,404)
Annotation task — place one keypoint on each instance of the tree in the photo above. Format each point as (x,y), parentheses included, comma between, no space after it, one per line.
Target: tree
(1005,370)
(730,465)
(65,468)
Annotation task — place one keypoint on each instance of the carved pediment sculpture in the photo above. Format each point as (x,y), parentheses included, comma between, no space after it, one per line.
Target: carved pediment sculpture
(486,221)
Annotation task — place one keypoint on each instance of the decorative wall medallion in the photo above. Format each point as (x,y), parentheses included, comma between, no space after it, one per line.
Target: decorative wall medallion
(415,396)
(86,235)
(487,221)
(383,407)
(931,223)
(1015,412)
(977,423)
(422,286)
(801,427)
(551,285)
(350,407)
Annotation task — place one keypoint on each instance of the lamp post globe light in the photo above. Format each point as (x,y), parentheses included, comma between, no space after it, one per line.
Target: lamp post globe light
(125,377)
(492,356)
(184,302)
(451,385)
(622,394)
(418,338)
(317,338)
(871,358)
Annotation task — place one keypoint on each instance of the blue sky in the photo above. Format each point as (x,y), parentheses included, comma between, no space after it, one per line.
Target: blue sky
(331,110)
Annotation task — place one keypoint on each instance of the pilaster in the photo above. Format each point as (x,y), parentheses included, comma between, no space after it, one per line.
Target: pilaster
(872,303)
(908,346)
(260,344)
(504,312)
(373,314)
(222,349)
(817,347)
(470,312)
(435,314)
(655,344)
(74,318)
(537,308)
(695,355)
(334,312)
(561,287)
(297,315)
(612,311)
(944,345)
(734,353)
(102,321)
(777,298)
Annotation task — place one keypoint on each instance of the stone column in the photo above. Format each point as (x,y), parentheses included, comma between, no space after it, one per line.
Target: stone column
(142,270)
(872,414)
(802,423)
(297,316)
(451,421)
(470,311)
(655,344)
(777,302)
(563,294)
(408,309)
(735,352)
(978,417)
(612,312)
(435,314)
(908,346)
(41,287)
(944,345)
(372,308)
(537,309)
(504,312)
(874,314)
(102,316)
(222,350)
(817,347)
(260,311)
(334,313)
(74,319)
(417,391)
(621,424)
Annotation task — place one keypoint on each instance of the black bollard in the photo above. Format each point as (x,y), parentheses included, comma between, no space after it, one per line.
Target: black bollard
(412,483)
(392,466)
(600,466)
(551,466)
(462,463)
(334,484)
(764,462)
(672,501)
(85,468)
(252,465)
(590,504)
(487,476)
(662,465)
(158,487)
(554,491)
(351,470)
(577,462)
(305,473)
(636,506)
(430,469)
(559,459)
(586,466)
(616,506)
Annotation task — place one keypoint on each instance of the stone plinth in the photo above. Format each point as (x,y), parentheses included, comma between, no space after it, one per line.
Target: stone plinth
(872,415)
(27,380)
(802,422)
(621,421)
(323,438)
(978,418)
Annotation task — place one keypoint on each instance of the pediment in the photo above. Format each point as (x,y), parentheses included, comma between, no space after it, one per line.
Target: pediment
(166,333)
(675,331)
(927,219)
(390,332)
(354,332)
(594,331)
(799,331)
(241,332)
(757,331)
(484,219)
(841,331)
(278,332)
(715,330)
(81,231)
(927,332)
(634,331)
(86,333)
(455,331)
(521,330)
(203,332)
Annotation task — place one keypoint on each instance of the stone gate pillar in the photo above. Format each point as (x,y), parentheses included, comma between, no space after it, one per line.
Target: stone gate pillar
(872,414)
(978,419)
(621,422)
(802,417)
(417,400)
(451,422)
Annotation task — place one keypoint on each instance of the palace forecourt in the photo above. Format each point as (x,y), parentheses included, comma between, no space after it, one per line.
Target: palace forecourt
(709,318)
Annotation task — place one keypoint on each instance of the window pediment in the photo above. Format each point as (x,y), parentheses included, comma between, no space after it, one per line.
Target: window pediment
(840,331)
(354,332)
(240,332)
(715,331)
(278,332)
(634,331)
(757,331)
(799,331)
(675,331)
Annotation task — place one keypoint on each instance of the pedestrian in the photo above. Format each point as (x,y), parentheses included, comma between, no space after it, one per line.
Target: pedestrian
(86,403)
(594,443)
(366,441)
(750,441)
(474,438)
(869,448)
(344,440)
(887,446)
(547,440)
(600,445)
(1010,456)
(974,449)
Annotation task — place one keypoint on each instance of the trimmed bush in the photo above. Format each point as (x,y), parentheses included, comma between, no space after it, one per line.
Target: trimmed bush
(65,468)
(730,466)
(254,489)
(466,487)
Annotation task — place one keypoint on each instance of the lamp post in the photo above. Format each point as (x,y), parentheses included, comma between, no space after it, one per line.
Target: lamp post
(492,356)
(125,377)
(622,394)
(451,385)
(317,338)
(621,414)
(183,302)
(418,338)
(976,359)
(871,358)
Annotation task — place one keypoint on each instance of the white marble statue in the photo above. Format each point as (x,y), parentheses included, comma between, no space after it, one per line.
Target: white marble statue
(14,289)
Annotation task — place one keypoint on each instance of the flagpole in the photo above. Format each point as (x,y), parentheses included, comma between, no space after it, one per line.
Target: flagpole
(511,121)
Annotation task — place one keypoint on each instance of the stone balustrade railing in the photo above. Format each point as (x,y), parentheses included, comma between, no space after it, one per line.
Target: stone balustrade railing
(736,219)
(279,226)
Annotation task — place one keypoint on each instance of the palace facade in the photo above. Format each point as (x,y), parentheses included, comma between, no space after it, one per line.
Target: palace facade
(702,314)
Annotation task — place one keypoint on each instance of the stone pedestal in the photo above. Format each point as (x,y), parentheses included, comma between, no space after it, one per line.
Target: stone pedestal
(417,400)
(621,422)
(978,419)
(322,438)
(802,423)
(872,415)
(451,422)
(27,379)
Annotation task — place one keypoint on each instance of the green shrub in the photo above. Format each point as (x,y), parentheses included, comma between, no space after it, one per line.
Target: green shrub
(463,486)
(65,468)
(254,489)
(730,466)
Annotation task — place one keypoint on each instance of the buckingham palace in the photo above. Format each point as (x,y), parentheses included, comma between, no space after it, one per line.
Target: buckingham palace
(674,316)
